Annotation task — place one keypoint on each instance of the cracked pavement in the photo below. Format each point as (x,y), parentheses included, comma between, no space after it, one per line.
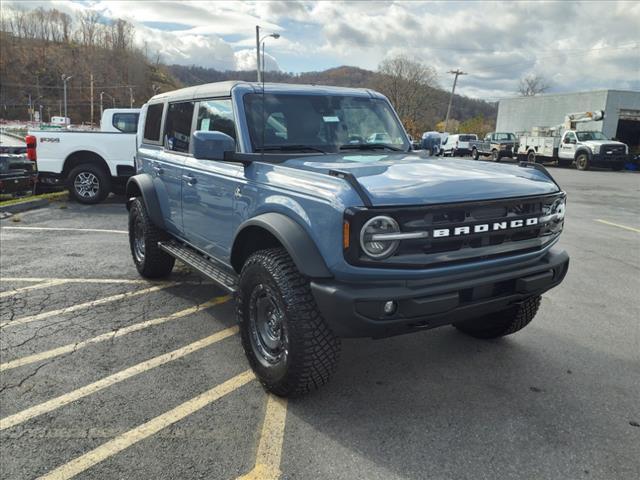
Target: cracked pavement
(557,400)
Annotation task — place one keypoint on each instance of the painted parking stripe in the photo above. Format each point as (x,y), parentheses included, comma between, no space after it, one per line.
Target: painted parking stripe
(81,306)
(37,286)
(64,229)
(94,387)
(267,466)
(74,347)
(145,430)
(624,227)
(78,280)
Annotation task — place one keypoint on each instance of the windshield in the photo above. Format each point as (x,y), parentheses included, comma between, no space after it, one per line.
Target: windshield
(584,136)
(315,123)
(505,136)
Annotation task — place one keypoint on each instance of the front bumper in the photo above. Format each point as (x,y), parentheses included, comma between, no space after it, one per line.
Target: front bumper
(603,159)
(356,309)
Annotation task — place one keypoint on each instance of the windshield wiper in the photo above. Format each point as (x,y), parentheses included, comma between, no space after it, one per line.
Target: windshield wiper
(368,146)
(288,148)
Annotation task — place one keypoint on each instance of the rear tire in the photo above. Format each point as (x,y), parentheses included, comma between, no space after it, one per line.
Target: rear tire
(89,183)
(150,261)
(582,162)
(531,157)
(495,156)
(287,342)
(502,323)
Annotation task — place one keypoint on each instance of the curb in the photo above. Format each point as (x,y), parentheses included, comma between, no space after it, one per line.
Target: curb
(30,204)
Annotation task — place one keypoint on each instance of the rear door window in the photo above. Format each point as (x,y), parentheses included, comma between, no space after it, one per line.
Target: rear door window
(177,130)
(153,123)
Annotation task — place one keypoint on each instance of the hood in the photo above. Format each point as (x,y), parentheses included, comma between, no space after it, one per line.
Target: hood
(408,179)
(601,142)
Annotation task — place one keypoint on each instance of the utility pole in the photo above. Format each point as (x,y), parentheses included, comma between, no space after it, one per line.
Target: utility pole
(101,108)
(91,100)
(65,79)
(457,73)
(30,109)
(130,97)
(258,51)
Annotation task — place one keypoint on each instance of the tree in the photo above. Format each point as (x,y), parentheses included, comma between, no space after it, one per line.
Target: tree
(407,84)
(532,85)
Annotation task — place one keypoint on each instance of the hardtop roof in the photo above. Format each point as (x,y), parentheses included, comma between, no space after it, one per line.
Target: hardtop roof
(223,89)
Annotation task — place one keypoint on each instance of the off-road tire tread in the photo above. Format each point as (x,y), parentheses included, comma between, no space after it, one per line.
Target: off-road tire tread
(103,177)
(503,323)
(315,357)
(157,263)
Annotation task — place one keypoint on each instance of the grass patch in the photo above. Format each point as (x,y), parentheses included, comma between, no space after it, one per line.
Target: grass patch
(45,196)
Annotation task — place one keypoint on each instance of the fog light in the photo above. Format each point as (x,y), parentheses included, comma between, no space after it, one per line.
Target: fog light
(389,307)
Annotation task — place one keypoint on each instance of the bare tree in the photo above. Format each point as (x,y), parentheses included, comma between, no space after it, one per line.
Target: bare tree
(406,83)
(89,26)
(532,85)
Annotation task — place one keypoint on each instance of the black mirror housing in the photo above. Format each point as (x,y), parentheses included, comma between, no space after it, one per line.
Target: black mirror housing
(212,145)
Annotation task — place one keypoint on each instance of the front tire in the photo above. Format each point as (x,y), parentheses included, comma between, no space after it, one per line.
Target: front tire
(495,156)
(475,154)
(150,261)
(582,162)
(89,184)
(288,344)
(502,323)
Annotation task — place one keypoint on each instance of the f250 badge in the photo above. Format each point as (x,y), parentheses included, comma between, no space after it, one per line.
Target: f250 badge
(484,227)
(49,139)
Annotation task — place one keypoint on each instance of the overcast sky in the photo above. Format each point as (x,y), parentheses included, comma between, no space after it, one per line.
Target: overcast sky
(575,45)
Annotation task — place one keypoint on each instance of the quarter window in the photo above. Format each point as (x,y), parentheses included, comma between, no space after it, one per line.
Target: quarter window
(126,122)
(216,115)
(153,122)
(177,131)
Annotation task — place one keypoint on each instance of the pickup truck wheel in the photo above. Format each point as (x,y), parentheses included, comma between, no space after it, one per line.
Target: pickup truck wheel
(531,157)
(582,162)
(495,156)
(475,154)
(89,183)
(502,323)
(150,261)
(287,342)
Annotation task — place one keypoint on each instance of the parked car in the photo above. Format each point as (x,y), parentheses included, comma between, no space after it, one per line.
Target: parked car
(90,164)
(495,145)
(379,138)
(457,145)
(321,238)
(18,173)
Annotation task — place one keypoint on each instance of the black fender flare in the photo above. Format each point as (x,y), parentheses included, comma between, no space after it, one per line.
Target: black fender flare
(294,239)
(142,185)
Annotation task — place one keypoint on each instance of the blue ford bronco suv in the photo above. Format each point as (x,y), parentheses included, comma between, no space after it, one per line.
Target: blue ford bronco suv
(308,204)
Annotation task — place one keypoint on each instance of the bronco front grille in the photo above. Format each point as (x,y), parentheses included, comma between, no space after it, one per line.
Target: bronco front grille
(460,232)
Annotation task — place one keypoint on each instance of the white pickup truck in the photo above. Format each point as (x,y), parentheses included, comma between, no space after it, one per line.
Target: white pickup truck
(564,144)
(89,163)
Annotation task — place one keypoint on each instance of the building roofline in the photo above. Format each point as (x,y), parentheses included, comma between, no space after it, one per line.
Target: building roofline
(564,94)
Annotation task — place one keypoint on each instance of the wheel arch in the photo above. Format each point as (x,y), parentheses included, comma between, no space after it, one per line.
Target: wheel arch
(80,157)
(142,186)
(583,150)
(275,229)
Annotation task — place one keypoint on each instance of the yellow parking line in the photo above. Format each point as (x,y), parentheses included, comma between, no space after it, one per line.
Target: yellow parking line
(72,347)
(94,387)
(80,306)
(124,441)
(46,284)
(631,229)
(267,466)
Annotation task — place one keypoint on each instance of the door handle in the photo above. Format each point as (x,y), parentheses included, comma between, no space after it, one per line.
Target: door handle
(190,179)
(158,169)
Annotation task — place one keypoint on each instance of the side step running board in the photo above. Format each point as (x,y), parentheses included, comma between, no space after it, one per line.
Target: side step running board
(197,261)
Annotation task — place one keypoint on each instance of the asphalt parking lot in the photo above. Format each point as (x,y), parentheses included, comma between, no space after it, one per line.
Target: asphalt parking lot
(104,375)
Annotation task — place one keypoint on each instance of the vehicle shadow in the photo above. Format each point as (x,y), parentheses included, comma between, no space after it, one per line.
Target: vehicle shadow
(442,405)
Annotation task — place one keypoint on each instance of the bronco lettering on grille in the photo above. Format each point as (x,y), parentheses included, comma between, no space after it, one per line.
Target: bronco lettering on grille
(484,227)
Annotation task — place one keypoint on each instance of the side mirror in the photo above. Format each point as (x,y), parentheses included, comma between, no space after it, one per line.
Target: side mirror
(212,145)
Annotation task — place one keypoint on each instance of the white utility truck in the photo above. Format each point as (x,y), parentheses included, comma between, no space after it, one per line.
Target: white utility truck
(89,163)
(565,145)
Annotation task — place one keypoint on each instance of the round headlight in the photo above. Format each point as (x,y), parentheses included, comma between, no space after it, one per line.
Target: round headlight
(557,209)
(372,237)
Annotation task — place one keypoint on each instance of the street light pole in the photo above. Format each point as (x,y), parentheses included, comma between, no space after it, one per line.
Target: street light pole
(101,108)
(457,73)
(261,42)
(65,79)
(258,51)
